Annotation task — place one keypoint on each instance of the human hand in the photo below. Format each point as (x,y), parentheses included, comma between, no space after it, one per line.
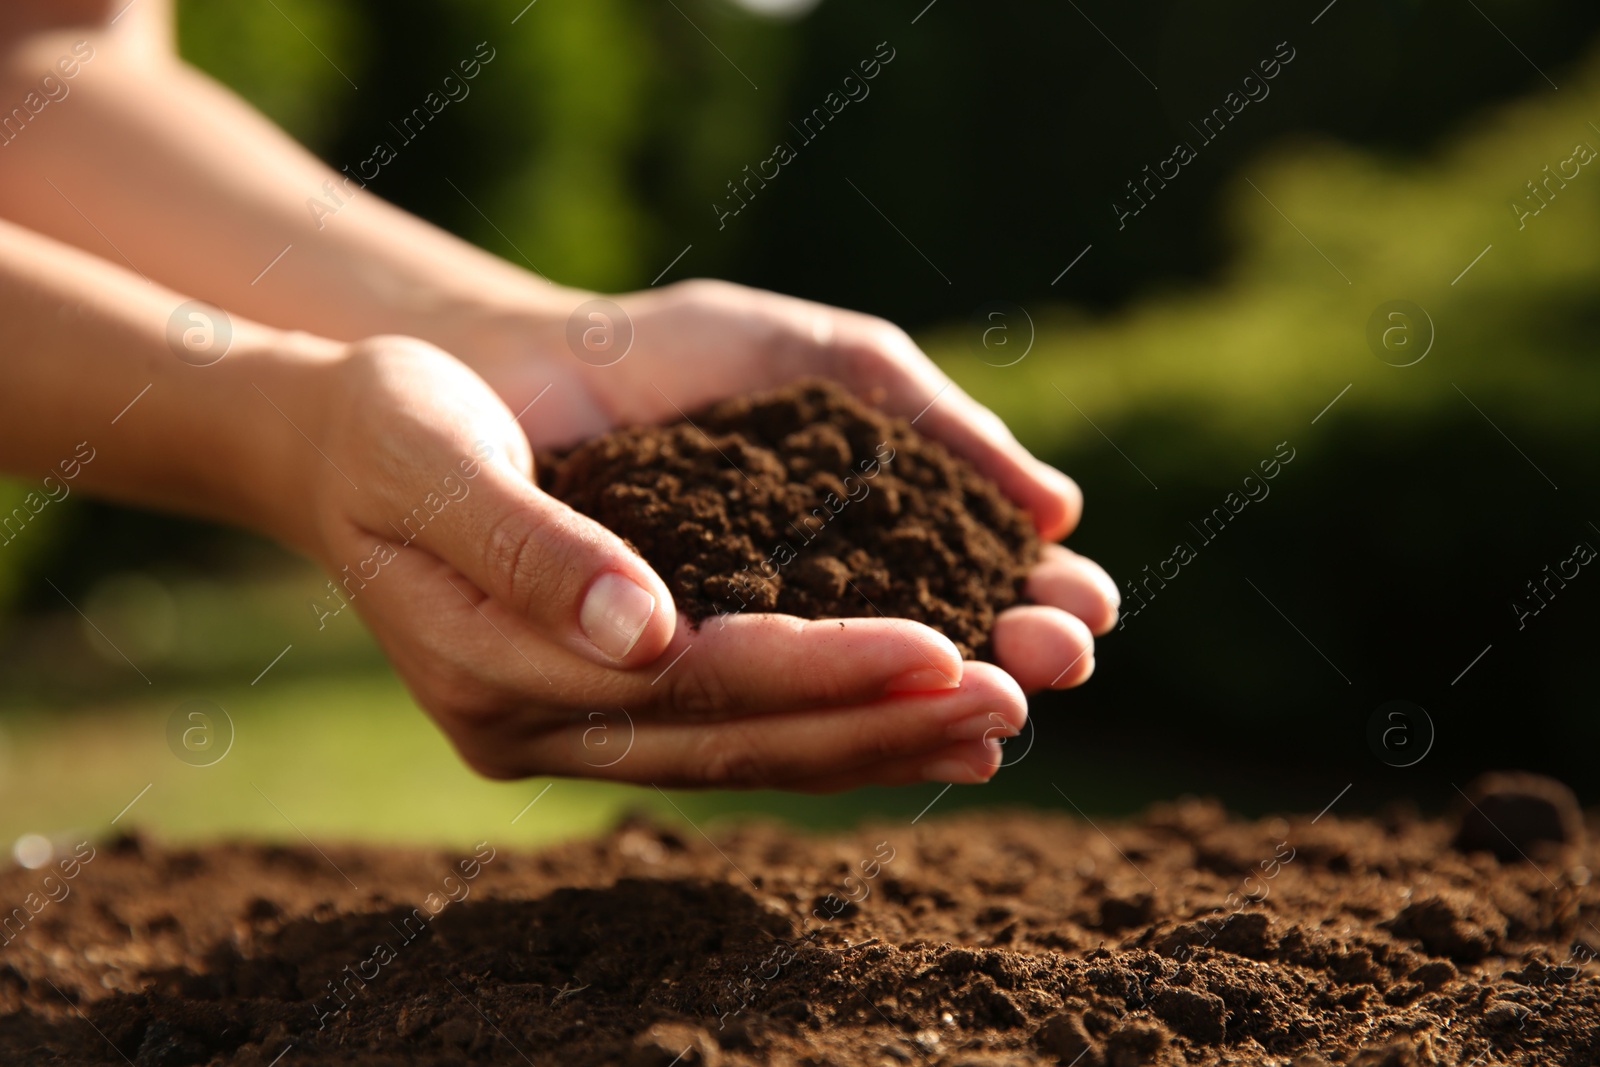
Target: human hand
(697,342)
(542,645)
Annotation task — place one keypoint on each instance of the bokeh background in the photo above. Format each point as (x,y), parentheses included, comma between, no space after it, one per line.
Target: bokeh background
(1158,361)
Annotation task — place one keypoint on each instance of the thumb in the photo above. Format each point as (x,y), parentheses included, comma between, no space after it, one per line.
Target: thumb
(571,578)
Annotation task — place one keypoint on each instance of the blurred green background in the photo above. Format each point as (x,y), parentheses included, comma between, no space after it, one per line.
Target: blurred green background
(1177,352)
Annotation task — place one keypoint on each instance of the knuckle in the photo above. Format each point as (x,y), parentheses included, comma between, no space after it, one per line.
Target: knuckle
(385,364)
(880,338)
(992,426)
(731,760)
(382,347)
(467,729)
(491,767)
(868,345)
(479,730)
(466,713)
(520,555)
(821,680)
(698,694)
(468,700)
(889,335)
(883,745)
(709,290)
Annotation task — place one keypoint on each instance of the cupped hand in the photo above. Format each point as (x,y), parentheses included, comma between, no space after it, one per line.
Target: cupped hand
(696,342)
(542,645)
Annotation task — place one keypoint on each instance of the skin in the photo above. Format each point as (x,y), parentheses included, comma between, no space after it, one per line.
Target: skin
(381,355)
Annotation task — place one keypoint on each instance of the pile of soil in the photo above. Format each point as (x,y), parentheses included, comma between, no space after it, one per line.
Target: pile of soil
(1185,937)
(806,501)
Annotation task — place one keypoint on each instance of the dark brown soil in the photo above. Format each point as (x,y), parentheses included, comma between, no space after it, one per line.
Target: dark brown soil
(1180,938)
(809,502)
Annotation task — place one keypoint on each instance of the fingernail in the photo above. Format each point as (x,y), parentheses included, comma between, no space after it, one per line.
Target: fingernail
(615,613)
(955,771)
(921,680)
(981,728)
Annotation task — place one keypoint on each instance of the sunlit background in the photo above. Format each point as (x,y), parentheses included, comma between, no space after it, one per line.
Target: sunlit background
(1159,357)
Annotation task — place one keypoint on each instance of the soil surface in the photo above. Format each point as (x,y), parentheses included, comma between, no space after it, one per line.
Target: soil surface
(806,501)
(1184,937)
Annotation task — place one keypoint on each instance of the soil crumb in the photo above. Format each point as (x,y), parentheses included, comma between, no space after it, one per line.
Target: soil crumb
(1517,815)
(809,502)
(1183,937)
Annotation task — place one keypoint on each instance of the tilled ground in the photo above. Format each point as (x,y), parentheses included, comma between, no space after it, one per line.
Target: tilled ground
(1181,938)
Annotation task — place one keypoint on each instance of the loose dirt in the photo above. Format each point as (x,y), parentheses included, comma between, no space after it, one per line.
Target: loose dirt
(1184,937)
(806,501)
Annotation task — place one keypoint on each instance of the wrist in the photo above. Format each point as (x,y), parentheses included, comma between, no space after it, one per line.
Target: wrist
(263,417)
(495,331)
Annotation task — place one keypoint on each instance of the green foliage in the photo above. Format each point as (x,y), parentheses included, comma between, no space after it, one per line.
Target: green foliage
(28,544)
(290,58)
(579,72)
(1284,329)
(612,100)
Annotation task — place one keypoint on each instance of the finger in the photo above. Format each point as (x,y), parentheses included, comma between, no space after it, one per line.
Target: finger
(1043,648)
(773,750)
(871,355)
(731,665)
(961,763)
(1076,584)
(971,430)
(435,625)
(746,663)
(574,581)
(727,666)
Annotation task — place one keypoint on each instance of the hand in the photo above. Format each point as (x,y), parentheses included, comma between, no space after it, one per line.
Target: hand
(697,342)
(542,645)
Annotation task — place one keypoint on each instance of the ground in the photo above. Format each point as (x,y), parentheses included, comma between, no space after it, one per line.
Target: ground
(1184,937)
